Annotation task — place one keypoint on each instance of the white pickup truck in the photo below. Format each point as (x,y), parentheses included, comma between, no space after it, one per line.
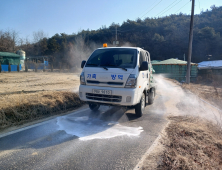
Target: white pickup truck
(117,76)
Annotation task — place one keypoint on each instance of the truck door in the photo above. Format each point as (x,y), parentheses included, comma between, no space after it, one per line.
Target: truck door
(150,68)
(148,60)
(143,78)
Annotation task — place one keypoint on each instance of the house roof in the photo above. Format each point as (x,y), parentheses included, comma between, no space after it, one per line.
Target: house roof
(216,64)
(172,61)
(155,61)
(8,54)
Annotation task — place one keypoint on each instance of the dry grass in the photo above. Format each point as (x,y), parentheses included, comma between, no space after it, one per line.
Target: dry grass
(11,83)
(187,143)
(209,89)
(29,96)
(21,108)
(191,143)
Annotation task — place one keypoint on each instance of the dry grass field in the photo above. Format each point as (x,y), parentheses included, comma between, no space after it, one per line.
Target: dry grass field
(187,143)
(207,89)
(29,96)
(191,143)
(12,83)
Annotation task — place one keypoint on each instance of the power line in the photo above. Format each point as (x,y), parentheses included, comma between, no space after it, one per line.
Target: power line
(146,9)
(182,6)
(166,8)
(172,7)
(124,30)
(163,12)
(151,9)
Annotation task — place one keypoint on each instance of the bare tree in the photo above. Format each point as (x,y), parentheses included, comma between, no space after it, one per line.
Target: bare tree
(8,40)
(39,35)
(21,41)
(15,38)
(37,38)
(26,45)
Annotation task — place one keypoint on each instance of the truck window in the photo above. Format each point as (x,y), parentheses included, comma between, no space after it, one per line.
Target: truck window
(149,63)
(113,58)
(142,57)
(148,57)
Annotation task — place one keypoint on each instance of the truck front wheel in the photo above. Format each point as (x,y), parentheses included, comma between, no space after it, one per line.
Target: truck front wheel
(94,106)
(139,108)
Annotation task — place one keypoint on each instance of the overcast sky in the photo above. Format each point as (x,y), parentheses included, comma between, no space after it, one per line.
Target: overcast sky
(71,16)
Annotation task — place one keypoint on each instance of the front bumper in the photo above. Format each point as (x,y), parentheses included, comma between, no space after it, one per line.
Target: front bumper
(124,93)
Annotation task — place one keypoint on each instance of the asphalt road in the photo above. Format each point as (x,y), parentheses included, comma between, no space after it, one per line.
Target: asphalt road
(112,138)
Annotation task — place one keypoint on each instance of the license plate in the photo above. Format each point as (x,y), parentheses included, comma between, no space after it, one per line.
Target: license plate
(97,91)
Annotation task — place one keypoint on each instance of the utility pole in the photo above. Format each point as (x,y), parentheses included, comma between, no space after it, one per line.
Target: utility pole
(116,36)
(190,44)
(116,42)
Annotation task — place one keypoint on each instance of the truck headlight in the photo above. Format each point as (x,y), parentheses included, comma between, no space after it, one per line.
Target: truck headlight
(82,79)
(131,82)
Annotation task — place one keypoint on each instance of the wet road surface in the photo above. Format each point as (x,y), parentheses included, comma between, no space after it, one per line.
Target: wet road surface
(111,138)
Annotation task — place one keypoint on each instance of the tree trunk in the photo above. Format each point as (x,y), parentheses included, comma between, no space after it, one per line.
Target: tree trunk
(18,68)
(52,67)
(35,67)
(9,67)
(26,66)
(60,66)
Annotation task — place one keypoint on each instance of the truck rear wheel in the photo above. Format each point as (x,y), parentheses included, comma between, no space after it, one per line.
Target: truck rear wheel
(151,96)
(94,106)
(139,108)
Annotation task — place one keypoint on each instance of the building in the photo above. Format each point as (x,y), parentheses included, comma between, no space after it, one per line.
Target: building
(7,58)
(210,69)
(175,69)
(216,64)
(40,61)
(155,61)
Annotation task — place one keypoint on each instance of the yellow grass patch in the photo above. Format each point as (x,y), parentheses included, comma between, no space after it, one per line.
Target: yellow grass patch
(191,143)
(16,109)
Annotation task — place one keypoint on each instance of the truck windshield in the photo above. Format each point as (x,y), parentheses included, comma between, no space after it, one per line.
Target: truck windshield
(113,58)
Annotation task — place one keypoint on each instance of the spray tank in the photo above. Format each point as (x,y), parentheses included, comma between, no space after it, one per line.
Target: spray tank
(22,58)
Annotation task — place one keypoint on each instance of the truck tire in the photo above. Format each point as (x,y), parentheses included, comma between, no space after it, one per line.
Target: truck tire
(94,106)
(151,96)
(139,108)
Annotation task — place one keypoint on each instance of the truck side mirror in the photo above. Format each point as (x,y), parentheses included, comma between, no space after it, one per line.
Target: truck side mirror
(144,66)
(83,63)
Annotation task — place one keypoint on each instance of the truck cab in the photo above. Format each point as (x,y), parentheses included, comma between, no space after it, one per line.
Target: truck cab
(117,76)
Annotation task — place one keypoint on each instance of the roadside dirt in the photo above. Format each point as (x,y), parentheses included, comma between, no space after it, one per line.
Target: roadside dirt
(187,143)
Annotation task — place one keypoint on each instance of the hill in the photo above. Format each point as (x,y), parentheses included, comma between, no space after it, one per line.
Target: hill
(164,38)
